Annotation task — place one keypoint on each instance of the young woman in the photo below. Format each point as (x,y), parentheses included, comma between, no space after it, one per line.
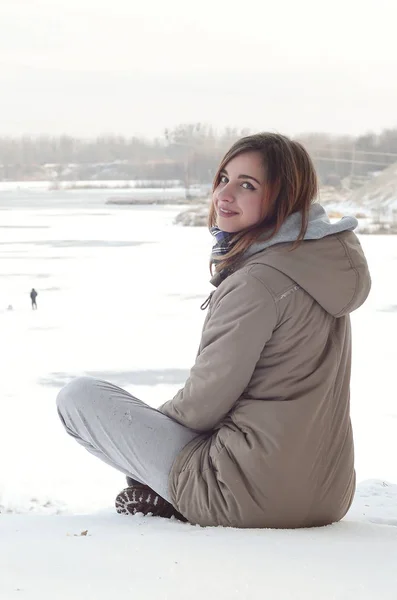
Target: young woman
(260,434)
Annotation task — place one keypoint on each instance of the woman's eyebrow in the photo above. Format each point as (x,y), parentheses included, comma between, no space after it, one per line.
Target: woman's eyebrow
(242,176)
(248,177)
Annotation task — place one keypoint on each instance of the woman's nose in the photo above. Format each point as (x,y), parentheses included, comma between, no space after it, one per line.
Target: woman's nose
(225,194)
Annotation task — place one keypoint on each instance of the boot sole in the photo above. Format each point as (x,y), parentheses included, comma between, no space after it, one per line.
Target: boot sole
(142,499)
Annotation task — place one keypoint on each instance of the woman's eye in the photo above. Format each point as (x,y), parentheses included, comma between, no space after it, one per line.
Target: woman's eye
(247,185)
(223,179)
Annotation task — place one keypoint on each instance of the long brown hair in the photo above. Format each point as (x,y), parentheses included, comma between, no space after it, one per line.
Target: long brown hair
(291,186)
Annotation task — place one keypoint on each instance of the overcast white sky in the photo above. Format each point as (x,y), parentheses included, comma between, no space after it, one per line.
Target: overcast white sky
(86,67)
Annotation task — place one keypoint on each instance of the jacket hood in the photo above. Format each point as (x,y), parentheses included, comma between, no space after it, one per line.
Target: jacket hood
(329,264)
(318,227)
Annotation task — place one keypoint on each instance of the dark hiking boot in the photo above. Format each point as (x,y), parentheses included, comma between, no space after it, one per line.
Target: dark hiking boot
(140,498)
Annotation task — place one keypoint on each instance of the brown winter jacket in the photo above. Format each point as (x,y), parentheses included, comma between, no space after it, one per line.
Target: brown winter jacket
(269,391)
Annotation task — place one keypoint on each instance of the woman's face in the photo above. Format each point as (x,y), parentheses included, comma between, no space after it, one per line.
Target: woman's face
(238,198)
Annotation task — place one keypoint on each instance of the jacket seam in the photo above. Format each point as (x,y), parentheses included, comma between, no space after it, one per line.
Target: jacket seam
(293,286)
(267,289)
(354,268)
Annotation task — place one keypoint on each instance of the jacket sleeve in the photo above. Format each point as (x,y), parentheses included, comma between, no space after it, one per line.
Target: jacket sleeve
(241,322)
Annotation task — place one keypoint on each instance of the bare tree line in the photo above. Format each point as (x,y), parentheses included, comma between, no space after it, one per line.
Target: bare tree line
(188,152)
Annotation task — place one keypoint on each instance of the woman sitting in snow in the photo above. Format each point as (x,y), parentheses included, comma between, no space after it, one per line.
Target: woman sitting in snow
(260,435)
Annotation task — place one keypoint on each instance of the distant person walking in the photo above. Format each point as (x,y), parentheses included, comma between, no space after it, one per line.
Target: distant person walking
(33,296)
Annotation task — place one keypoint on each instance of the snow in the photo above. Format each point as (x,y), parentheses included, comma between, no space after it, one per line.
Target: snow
(47,557)
(119,296)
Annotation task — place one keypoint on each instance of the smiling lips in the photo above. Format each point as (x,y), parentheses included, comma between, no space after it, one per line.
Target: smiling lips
(224,212)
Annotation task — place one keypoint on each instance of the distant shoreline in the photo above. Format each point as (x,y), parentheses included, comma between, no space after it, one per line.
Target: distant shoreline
(170,187)
(125,201)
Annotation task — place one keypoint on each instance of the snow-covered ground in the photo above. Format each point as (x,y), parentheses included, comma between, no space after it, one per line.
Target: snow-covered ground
(119,296)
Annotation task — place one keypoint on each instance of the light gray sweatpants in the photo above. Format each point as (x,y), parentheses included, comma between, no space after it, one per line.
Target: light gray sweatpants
(123,431)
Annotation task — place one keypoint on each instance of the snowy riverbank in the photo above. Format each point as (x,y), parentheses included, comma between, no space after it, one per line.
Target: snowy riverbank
(111,280)
(104,555)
